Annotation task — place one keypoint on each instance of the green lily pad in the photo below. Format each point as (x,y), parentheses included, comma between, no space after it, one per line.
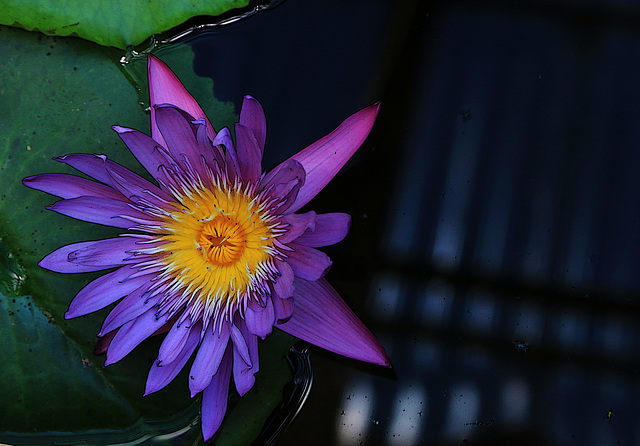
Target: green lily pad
(117,23)
(60,96)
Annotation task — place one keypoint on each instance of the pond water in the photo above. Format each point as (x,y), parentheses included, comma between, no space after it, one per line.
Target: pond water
(495,245)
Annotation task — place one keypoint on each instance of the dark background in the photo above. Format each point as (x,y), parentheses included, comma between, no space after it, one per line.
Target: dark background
(495,245)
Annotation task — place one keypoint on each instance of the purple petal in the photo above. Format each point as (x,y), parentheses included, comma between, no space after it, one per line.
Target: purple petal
(145,149)
(324,158)
(129,308)
(174,342)
(252,117)
(208,358)
(89,256)
(322,318)
(249,154)
(134,187)
(104,211)
(284,284)
(166,88)
(92,165)
(240,343)
(283,183)
(214,398)
(179,133)
(260,319)
(105,290)
(298,224)
(308,263)
(223,138)
(70,186)
(133,333)
(283,309)
(330,229)
(163,373)
(242,371)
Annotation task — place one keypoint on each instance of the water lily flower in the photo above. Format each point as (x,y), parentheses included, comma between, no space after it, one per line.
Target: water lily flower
(215,254)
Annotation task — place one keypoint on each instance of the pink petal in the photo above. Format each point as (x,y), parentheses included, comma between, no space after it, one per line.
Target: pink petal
(208,358)
(324,158)
(249,154)
(330,228)
(162,374)
(70,186)
(104,211)
(214,398)
(242,371)
(131,334)
(308,263)
(260,320)
(166,88)
(105,290)
(322,318)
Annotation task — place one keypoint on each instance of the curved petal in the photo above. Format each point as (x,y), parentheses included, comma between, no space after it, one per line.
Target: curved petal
(90,256)
(166,88)
(131,334)
(282,184)
(105,290)
(134,187)
(260,319)
(324,158)
(145,149)
(283,309)
(252,117)
(179,132)
(242,371)
(284,284)
(308,263)
(298,224)
(249,154)
(133,305)
(174,342)
(208,358)
(104,211)
(214,397)
(322,318)
(70,186)
(330,228)
(162,373)
(92,165)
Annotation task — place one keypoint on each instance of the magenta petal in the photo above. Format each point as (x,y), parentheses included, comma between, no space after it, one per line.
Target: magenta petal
(105,290)
(252,117)
(163,373)
(308,263)
(249,154)
(242,371)
(166,88)
(92,165)
(133,333)
(298,224)
(322,318)
(129,308)
(330,228)
(283,183)
(208,358)
(260,319)
(284,284)
(70,186)
(104,211)
(324,158)
(214,398)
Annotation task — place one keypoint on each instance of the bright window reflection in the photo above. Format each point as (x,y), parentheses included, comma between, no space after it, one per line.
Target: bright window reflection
(408,414)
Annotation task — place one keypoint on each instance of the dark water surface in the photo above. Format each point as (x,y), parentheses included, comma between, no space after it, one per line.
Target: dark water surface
(495,245)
